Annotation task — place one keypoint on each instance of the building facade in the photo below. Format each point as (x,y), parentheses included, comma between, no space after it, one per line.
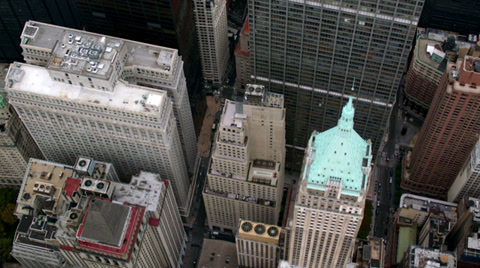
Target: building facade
(466,183)
(330,203)
(159,22)
(310,52)
(84,219)
(211,24)
(246,171)
(112,99)
(242,58)
(258,245)
(449,133)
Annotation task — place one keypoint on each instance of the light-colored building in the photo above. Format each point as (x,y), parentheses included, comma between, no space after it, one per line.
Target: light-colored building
(76,216)
(467,181)
(212,32)
(115,100)
(329,206)
(16,144)
(246,171)
(418,256)
(242,58)
(258,244)
(96,61)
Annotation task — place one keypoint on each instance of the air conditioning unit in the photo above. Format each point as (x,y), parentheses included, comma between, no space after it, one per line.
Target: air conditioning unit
(96,187)
(44,188)
(85,165)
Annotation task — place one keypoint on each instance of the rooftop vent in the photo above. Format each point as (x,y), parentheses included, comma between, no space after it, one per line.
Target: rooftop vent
(247,227)
(30,31)
(272,231)
(260,229)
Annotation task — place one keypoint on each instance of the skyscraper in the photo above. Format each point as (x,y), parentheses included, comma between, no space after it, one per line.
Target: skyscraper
(330,203)
(310,51)
(211,24)
(242,58)
(246,171)
(449,133)
(467,181)
(168,23)
(81,216)
(108,98)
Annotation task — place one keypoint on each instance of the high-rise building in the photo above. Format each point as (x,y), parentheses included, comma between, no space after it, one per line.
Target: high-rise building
(246,171)
(258,244)
(464,238)
(159,22)
(310,51)
(330,202)
(211,24)
(467,181)
(449,133)
(433,49)
(451,15)
(16,144)
(108,98)
(418,256)
(78,216)
(242,58)
(14,14)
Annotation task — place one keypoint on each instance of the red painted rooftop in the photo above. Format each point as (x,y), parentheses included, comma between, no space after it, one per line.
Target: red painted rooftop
(71,185)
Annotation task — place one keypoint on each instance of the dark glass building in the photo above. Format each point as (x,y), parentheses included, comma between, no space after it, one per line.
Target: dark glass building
(168,23)
(14,14)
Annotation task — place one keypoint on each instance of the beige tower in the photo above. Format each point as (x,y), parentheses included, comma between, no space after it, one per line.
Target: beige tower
(211,23)
(257,245)
(245,178)
(329,206)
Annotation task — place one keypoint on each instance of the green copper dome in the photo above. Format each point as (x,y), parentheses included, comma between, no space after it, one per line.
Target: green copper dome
(339,156)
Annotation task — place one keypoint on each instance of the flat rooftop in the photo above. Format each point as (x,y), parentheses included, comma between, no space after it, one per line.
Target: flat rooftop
(423,55)
(43,182)
(449,210)
(36,80)
(218,253)
(91,54)
(229,111)
(144,190)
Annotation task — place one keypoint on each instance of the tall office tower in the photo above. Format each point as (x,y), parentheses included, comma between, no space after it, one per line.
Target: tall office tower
(211,24)
(16,144)
(467,181)
(245,178)
(449,133)
(451,15)
(92,98)
(140,64)
(76,216)
(159,22)
(433,49)
(242,58)
(331,197)
(310,51)
(418,256)
(40,201)
(14,14)
(463,238)
(257,245)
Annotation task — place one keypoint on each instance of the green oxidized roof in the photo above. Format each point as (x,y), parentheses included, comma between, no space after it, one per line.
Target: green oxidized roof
(338,157)
(3,102)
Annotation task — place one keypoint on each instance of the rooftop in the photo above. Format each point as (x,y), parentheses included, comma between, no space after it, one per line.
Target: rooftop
(430,205)
(259,232)
(91,54)
(43,183)
(429,258)
(218,253)
(110,228)
(426,48)
(339,156)
(36,80)
(144,190)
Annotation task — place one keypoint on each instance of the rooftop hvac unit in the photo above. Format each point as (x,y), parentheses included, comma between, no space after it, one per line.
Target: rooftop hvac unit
(85,166)
(44,188)
(95,186)
(247,226)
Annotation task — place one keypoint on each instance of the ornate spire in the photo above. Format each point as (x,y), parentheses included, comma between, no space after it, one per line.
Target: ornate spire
(345,123)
